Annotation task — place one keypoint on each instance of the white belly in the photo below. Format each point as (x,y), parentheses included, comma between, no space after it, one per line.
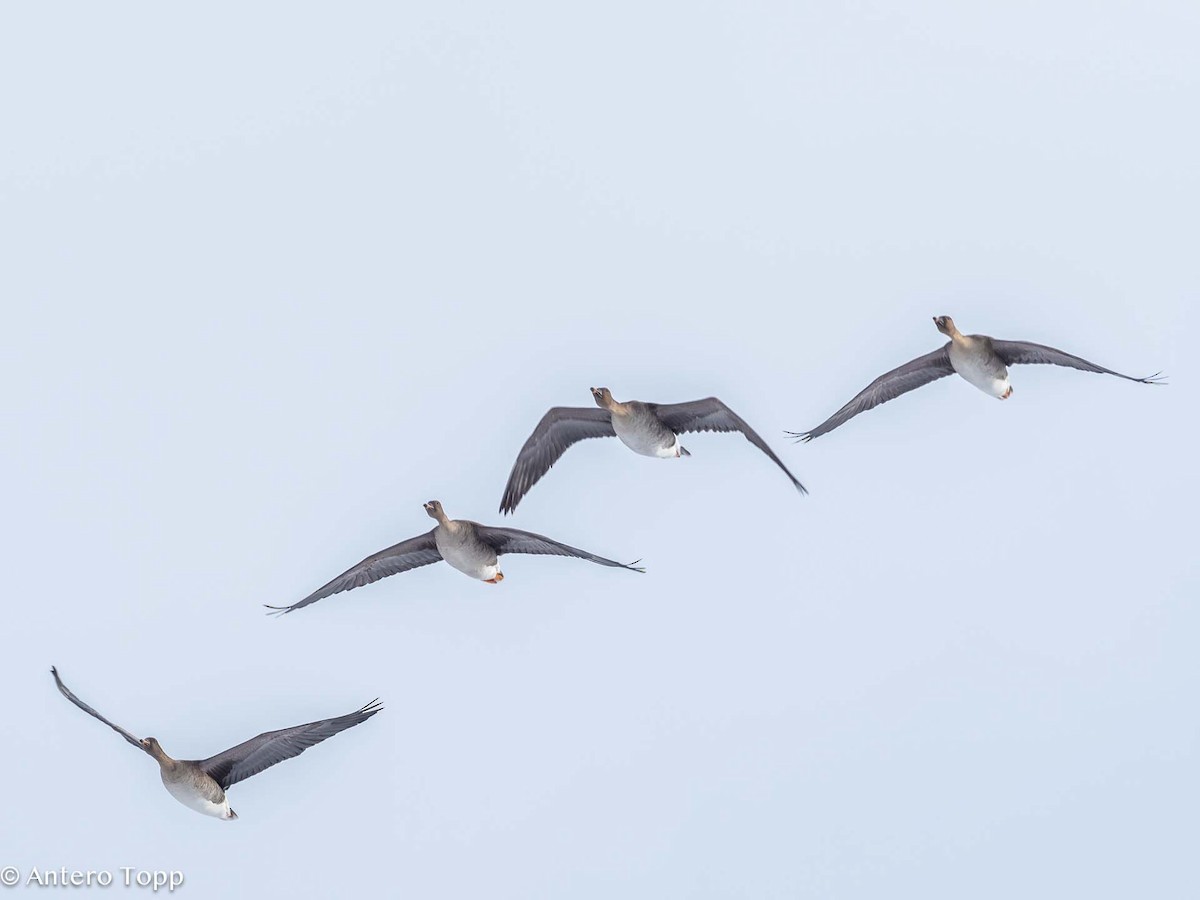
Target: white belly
(192,800)
(645,444)
(470,562)
(982,376)
(671,452)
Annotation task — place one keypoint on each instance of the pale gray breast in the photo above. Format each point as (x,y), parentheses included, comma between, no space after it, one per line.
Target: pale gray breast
(191,779)
(463,545)
(641,430)
(976,356)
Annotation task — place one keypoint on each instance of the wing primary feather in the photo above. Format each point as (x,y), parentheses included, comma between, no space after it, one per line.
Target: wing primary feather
(913,374)
(66,692)
(1016,353)
(269,748)
(557,430)
(513,540)
(712,414)
(403,557)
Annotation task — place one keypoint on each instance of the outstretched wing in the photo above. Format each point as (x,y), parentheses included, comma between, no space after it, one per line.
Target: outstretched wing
(1017,353)
(908,377)
(66,692)
(251,757)
(411,554)
(512,540)
(559,428)
(710,414)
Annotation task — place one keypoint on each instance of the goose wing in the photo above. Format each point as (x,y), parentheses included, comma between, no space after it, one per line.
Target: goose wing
(1017,353)
(66,692)
(513,540)
(908,377)
(411,554)
(251,757)
(559,428)
(710,414)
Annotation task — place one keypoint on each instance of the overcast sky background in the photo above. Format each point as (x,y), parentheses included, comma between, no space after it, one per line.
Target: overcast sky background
(274,276)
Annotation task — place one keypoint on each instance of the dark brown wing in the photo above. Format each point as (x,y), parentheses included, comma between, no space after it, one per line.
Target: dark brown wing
(65,691)
(1018,353)
(908,377)
(512,540)
(411,554)
(559,428)
(251,757)
(710,414)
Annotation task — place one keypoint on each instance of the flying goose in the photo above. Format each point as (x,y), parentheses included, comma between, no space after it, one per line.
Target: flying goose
(981,360)
(200,784)
(468,546)
(648,429)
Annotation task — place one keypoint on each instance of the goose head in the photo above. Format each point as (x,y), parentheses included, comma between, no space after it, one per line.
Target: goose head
(945,325)
(153,747)
(603,397)
(434,509)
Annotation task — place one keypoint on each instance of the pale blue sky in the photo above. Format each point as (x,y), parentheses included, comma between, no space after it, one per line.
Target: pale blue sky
(274,276)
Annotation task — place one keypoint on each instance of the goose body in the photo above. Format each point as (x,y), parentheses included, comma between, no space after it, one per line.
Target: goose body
(973,357)
(643,432)
(460,546)
(195,790)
